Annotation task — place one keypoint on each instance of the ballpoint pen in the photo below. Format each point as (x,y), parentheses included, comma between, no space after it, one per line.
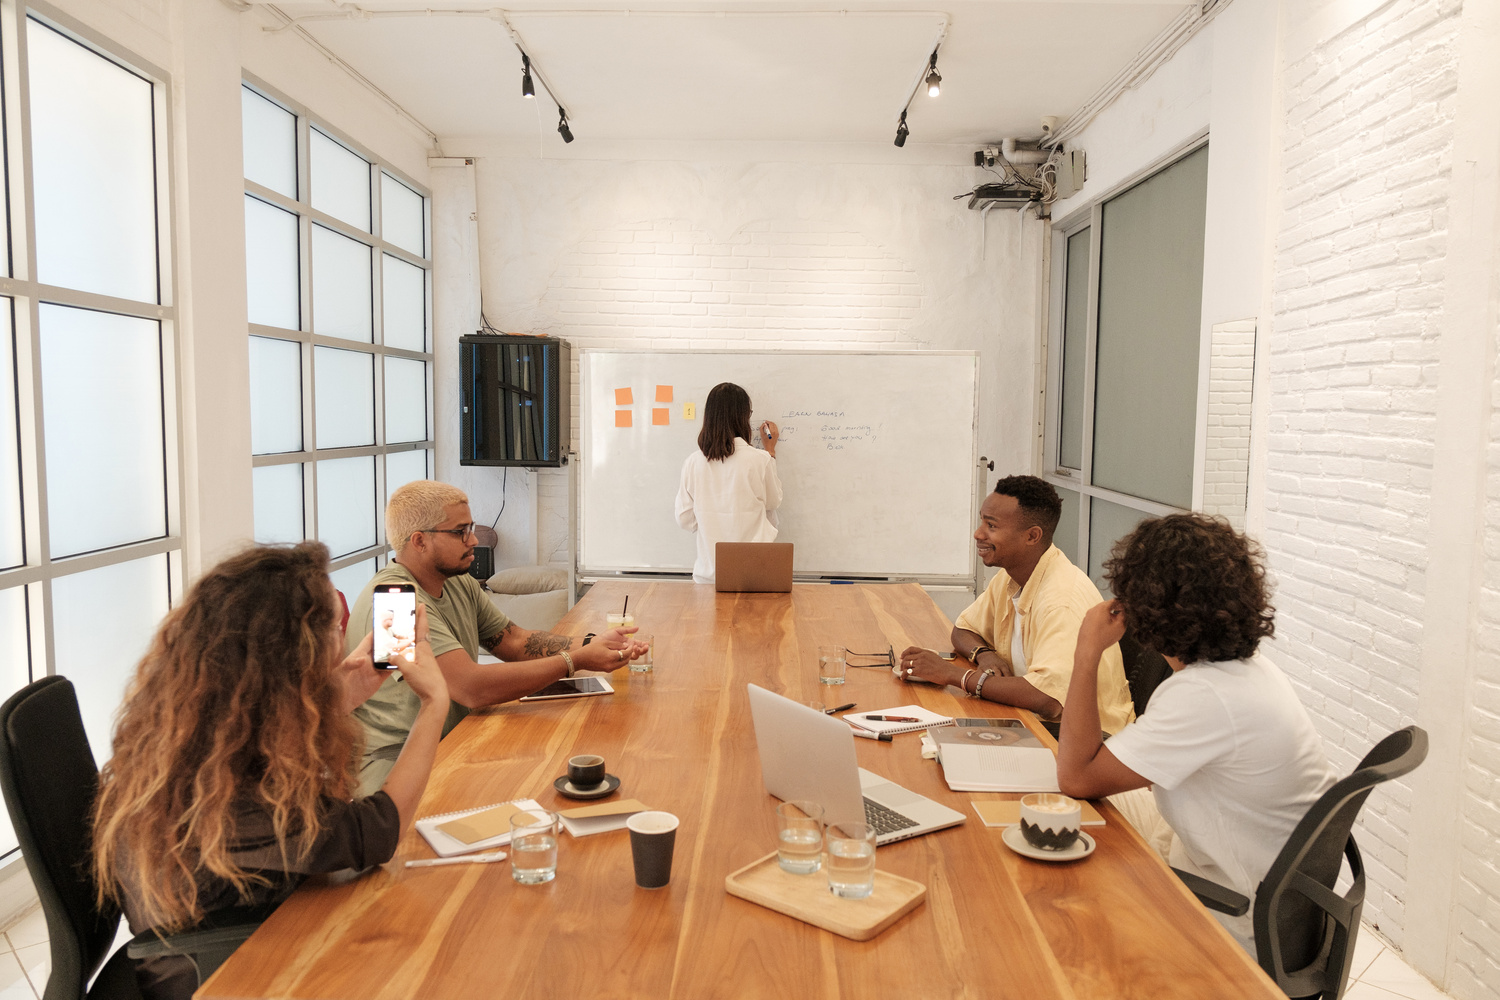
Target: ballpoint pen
(865,734)
(841,708)
(472,859)
(891,718)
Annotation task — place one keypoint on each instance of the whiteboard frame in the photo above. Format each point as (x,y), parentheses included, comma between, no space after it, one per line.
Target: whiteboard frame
(585,410)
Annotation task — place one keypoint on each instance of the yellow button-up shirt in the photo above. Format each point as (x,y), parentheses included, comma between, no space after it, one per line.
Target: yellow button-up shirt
(1050,607)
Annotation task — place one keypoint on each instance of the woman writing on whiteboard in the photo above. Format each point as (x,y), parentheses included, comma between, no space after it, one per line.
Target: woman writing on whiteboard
(729,490)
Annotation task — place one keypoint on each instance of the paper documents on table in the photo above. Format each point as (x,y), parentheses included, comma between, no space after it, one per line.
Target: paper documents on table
(924,719)
(585,821)
(1015,762)
(472,829)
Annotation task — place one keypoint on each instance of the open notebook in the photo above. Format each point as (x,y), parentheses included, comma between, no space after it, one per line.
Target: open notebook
(472,829)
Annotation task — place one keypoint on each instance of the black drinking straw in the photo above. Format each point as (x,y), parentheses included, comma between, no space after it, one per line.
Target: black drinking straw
(626,608)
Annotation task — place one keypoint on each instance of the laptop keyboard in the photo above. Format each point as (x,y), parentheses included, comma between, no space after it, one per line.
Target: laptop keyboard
(886,820)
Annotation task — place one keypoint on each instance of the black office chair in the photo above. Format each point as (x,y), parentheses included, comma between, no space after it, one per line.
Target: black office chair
(1304,930)
(49,781)
(1144,670)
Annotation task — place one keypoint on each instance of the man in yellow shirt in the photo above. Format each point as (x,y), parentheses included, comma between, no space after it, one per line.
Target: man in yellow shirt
(1021,633)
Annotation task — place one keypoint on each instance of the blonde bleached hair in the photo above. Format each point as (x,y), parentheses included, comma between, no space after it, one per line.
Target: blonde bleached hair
(418,506)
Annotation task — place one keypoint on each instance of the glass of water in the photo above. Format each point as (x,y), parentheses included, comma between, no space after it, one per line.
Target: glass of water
(830,664)
(799,836)
(533,846)
(646,662)
(849,859)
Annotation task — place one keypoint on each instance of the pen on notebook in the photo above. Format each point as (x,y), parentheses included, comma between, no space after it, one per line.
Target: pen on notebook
(891,718)
(864,734)
(841,708)
(472,859)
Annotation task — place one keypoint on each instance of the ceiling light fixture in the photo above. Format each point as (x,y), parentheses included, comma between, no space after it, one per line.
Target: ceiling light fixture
(527,90)
(902,131)
(562,125)
(934,79)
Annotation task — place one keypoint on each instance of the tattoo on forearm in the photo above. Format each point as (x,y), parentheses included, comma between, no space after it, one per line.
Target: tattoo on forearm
(545,644)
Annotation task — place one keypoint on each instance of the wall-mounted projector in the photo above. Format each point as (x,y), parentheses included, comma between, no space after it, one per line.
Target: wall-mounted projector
(1002,196)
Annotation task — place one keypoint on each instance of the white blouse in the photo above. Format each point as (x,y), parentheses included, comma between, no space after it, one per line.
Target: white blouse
(734,500)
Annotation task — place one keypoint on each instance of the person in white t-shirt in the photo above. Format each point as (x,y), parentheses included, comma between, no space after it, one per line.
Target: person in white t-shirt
(729,490)
(1229,752)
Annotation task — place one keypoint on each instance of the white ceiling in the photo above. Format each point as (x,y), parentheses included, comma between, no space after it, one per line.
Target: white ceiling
(793,71)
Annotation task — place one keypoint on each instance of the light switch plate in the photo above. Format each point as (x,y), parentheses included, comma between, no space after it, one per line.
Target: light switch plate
(689,411)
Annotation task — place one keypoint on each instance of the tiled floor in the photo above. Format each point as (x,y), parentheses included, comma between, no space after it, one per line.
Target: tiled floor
(1378,973)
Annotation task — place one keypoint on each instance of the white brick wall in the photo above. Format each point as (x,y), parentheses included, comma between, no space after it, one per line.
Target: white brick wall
(1226,451)
(1358,289)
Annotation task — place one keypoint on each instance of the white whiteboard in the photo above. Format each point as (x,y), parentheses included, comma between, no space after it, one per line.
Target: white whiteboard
(877,457)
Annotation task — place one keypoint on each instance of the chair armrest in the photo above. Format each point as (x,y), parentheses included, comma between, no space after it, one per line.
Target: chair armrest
(224,929)
(1213,895)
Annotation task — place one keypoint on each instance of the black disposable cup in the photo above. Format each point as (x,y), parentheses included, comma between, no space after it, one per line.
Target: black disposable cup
(585,771)
(652,837)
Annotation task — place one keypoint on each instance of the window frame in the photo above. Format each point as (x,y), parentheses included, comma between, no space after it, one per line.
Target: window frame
(308,216)
(1080,481)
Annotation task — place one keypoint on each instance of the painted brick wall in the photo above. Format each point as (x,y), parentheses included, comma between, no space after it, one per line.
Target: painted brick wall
(1353,352)
(1226,451)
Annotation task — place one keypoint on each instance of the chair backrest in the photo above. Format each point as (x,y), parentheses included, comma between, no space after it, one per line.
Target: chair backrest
(1144,670)
(48,776)
(1304,931)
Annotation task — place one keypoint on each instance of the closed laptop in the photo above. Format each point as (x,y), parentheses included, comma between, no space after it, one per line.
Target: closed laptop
(753,567)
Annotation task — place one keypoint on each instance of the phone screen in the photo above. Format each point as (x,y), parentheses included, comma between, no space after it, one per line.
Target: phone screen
(394,610)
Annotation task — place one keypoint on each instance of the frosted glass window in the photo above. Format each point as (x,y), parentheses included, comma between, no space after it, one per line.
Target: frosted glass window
(125,602)
(272,281)
(1150,317)
(341,286)
(93,169)
(340,181)
(270,139)
(401,220)
(1066,535)
(344,397)
(346,504)
(402,467)
(405,400)
(1108,523)
(405,314)
(350,581)
(275,395)
(12,545)
(102,418)
(1074,350)
(278,504)
(14,673)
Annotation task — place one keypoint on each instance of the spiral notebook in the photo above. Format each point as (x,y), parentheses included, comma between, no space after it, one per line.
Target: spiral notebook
(448,837)
(924,720)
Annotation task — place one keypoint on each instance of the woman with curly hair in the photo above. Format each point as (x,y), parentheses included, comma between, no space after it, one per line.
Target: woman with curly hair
(1227,749)
(232,774)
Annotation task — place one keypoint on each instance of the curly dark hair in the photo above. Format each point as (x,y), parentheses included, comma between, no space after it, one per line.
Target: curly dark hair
(1040,505)
(1192,588)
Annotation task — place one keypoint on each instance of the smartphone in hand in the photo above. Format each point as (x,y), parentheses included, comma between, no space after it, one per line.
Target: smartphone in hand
(394,614)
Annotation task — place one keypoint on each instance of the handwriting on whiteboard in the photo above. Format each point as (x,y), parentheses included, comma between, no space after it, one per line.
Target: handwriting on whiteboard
(828,429)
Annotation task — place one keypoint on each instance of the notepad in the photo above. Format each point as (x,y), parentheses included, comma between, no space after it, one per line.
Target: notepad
(1009,813)
(585,821)
(484,819)
(925,720)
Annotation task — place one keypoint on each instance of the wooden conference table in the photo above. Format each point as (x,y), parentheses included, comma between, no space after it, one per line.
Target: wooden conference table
(993,925)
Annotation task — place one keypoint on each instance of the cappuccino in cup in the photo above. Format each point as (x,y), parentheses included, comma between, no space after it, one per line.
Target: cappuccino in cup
(1049,821)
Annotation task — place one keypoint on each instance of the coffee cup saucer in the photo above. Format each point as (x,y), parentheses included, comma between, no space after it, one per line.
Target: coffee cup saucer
(608,786)
(1016,841)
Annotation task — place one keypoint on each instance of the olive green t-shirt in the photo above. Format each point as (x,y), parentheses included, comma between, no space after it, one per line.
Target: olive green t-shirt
(461,619)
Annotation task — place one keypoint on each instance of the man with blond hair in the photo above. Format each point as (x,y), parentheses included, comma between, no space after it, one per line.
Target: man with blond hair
(432,531)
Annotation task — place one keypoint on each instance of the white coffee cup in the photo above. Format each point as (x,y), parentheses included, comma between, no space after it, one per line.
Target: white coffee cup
(1049,821)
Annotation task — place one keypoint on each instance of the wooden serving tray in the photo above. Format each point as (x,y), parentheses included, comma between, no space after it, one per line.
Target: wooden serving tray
(807,898)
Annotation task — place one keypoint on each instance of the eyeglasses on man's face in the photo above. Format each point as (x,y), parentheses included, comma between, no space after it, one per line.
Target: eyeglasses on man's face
(462,531)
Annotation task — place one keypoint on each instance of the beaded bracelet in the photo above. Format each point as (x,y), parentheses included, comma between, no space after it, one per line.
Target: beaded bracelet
(979,685)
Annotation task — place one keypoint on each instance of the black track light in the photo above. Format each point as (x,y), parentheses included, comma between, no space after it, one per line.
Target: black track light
(527,90)
(562,126)
(934,79)
(902,131)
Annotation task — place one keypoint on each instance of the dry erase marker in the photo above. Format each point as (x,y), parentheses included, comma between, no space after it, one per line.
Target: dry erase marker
(841,708)
(882,737)
(891,718)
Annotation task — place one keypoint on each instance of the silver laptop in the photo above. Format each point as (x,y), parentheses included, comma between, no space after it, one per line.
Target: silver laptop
(805,754)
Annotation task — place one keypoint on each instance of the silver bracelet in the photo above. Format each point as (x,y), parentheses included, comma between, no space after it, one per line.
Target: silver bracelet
(566,659)
(979,684)
(963,685)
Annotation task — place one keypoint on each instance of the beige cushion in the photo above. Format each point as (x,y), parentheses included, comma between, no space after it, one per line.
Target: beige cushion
(533,611)
(528,580)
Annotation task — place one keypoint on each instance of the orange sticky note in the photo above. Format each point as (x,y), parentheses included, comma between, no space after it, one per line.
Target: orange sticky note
(664,394)
(622,398)
(622,417)
(659,416)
